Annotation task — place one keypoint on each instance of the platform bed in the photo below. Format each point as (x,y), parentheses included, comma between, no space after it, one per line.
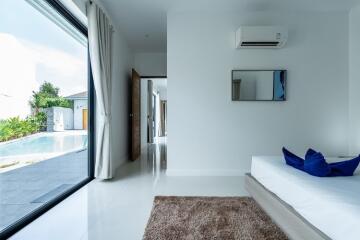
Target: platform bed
(291,222)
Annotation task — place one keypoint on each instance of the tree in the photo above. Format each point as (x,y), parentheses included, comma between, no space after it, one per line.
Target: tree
(48,96)
(50,90)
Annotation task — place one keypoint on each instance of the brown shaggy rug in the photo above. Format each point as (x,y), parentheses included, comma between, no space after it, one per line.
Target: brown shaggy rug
(201,218)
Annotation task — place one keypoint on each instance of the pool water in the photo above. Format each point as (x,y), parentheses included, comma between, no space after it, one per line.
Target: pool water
(50,143)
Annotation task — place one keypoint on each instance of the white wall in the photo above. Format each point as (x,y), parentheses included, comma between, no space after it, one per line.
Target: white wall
(150,64)
(163,94)
(265,85)
(354,83)
(59,119)
(160,85)
(144,111)
(157,114)
(208,134)
(121,79)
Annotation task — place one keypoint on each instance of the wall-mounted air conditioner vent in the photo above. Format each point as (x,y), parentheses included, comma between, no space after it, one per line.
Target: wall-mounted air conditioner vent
(261,37)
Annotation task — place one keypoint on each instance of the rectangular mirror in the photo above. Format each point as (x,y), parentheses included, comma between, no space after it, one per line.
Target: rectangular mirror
(258,85)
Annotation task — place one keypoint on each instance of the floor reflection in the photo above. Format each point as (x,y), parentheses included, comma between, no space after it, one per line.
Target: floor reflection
(120,208)
(155,158)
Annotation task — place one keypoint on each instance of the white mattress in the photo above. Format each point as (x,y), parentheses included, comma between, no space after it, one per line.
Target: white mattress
(330,204)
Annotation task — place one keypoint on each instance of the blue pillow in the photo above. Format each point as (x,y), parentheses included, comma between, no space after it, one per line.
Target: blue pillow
(345,168)
(309,152)
(293,160)
(316,165)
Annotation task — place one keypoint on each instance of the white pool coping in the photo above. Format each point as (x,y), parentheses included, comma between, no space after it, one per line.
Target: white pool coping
(17,161)
(40,134)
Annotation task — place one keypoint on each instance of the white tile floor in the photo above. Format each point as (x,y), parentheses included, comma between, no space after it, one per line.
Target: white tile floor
(119,209)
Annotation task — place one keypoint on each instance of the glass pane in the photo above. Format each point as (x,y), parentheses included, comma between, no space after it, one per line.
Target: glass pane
(43,107)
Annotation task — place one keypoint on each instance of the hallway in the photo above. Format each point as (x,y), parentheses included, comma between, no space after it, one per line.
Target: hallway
(120,208)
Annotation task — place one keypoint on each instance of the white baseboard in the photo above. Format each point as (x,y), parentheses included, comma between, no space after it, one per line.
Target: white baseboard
(206,172)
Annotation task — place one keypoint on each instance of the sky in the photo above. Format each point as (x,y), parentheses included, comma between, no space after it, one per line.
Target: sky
(32,50)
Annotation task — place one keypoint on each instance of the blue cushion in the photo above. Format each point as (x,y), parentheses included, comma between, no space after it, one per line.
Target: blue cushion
(316,165)
(293,160)
(345,168)
(309,152)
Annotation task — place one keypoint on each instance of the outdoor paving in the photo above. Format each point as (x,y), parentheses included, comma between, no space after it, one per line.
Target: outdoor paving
(24,189)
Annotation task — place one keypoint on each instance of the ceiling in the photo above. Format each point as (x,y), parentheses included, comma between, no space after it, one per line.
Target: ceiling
(143,22)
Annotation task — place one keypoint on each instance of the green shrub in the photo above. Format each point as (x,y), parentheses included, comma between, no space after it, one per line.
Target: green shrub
(15,127)
(57,102)
(41,120)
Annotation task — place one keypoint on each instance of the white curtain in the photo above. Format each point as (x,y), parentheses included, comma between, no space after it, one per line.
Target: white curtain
(99,35)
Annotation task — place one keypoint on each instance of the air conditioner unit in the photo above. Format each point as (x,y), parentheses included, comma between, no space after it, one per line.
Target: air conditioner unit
(261,37)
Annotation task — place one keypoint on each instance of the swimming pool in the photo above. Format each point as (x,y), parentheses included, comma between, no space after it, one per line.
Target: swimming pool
(45,143)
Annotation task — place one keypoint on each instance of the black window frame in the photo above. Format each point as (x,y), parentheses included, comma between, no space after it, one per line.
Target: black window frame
(24,221)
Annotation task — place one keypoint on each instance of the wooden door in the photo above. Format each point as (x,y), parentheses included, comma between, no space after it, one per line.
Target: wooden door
(85,118)
(135,116)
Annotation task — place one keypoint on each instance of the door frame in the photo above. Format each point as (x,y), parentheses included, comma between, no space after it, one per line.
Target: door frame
(149,78)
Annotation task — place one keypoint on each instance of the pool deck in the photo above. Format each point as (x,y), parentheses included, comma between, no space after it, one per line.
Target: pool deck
(24,189)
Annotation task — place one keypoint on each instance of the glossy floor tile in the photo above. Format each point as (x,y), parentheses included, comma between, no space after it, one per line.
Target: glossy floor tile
(120,208)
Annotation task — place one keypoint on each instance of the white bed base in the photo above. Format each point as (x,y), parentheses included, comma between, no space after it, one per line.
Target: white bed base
(287,218)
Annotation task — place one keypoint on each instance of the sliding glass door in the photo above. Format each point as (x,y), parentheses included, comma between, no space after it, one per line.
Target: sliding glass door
(46,125)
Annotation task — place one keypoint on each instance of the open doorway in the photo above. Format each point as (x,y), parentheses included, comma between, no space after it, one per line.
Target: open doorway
(153,110)
(153,117)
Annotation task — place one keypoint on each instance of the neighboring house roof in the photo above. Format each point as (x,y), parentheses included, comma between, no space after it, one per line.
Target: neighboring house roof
(78,96)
